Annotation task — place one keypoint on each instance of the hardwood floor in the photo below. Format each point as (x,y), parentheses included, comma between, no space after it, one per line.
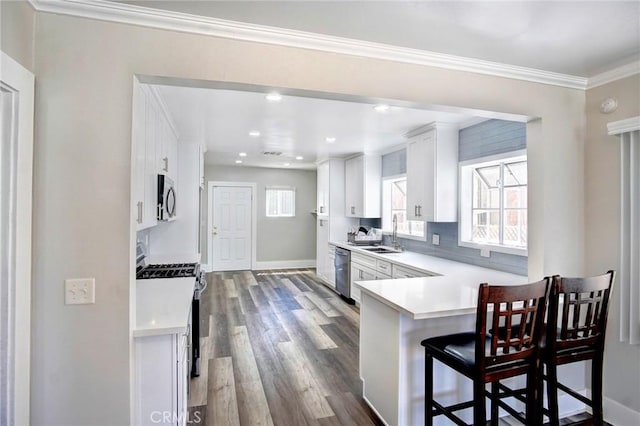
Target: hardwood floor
(280,348)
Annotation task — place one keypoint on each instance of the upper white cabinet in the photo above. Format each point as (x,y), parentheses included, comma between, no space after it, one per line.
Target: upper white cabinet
(362,186)
(323,189)
(432,174)
(155,148)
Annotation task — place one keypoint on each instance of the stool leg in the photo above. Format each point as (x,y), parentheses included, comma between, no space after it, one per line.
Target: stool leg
(532,414)
(495,389)
(428,390)
(552,393)
(479,402)
(596,389)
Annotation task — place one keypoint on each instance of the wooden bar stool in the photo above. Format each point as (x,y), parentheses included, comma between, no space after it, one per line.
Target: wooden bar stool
(576,326)
(489,358)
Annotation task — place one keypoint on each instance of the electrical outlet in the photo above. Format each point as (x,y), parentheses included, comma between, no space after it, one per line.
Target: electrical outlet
(485,253)
(80,291)
(435,239)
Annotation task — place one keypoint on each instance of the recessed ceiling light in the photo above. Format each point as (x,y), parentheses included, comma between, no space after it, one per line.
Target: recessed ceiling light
(238,161)
(330,139)
(274,97)
(287,164)
(381,108)
(243,154)
(299,157)
(254,133)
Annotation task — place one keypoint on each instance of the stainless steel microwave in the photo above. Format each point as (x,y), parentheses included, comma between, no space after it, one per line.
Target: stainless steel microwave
(166,198)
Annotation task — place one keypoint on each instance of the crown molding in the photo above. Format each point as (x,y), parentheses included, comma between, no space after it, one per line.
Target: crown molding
(623,126)
(613,75)
(182,22)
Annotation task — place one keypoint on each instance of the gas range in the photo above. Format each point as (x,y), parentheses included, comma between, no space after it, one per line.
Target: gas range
(168,270)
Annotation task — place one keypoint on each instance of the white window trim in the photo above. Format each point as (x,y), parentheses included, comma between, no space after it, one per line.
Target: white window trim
(280,188)
(463,200)
(400,234)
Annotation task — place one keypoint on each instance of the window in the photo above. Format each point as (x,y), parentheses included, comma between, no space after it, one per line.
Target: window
(493,204)
(394,203)
(281,202)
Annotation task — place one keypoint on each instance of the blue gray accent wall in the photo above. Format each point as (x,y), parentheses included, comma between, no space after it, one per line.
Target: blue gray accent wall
(491,137)
(481,140)
(394,163)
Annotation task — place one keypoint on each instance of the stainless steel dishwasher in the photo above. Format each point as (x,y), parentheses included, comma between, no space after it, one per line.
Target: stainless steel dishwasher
(343,273)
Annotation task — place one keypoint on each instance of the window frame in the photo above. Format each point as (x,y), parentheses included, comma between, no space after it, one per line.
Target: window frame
(390,231)
(465,200)
(266,203)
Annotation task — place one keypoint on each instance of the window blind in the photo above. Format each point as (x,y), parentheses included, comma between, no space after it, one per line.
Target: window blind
(629,274)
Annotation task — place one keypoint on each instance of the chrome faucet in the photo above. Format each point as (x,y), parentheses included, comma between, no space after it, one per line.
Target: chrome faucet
(394,235)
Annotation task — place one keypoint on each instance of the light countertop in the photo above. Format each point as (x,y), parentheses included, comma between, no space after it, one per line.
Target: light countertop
(453,291)
(163,306)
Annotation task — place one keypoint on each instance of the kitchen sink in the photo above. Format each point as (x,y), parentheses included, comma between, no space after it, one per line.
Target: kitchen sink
(381,250)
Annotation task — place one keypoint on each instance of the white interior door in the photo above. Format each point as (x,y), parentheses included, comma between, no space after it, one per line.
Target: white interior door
(16,171)
(231,230)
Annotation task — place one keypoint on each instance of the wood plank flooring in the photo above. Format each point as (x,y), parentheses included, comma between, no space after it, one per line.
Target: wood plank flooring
(280,348)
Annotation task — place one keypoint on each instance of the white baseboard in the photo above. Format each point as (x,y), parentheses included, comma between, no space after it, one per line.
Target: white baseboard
(618,414)
(279,264)
(286,264)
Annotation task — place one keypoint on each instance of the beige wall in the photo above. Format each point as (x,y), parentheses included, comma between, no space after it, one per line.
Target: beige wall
(602,207)
(82,217)
(278,239)
(17,31)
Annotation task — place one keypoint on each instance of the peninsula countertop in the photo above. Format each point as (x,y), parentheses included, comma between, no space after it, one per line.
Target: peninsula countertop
(452,291)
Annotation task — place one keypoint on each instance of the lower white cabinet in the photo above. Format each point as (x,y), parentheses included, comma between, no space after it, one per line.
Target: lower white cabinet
(331,267)
(162,379)
(367,268)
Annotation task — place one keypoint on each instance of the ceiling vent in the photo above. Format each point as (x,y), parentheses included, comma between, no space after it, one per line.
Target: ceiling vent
(272,153)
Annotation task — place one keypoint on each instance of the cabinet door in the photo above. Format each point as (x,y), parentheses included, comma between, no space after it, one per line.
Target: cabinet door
(331,267)
(150,170)
(138,139)
(182,382)
(322,258)
(323,189)
(354,187)
(420,176)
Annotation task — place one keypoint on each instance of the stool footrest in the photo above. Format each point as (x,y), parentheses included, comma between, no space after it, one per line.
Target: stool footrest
(574,394)
(448,411)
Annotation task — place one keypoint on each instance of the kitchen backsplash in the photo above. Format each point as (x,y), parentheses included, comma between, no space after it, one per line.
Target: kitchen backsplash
(449,249)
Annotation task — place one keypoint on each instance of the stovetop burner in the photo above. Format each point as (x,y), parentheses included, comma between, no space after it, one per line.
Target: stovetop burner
(169,270)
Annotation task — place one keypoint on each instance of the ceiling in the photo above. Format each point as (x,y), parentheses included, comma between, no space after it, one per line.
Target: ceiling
(577,38)
(296,126)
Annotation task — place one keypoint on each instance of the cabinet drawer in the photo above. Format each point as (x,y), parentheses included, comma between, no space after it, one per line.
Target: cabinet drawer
(383,266)
(364,260)
(405,272)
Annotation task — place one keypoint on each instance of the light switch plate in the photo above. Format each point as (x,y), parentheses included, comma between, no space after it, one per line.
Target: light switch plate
(485,253)
(435,239)
(80,291)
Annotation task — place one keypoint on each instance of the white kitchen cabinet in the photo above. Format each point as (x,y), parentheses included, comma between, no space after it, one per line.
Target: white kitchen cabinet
(331,267)
(162,379)
(406,272)
(323,183)
(367,268)
(363,181)
(432,174)
(332,225)
(155,147)
(144,172)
